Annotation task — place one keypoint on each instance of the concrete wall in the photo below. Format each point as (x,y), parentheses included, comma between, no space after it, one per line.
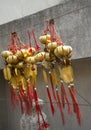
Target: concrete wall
(3,104)
(20,8)
(73,23)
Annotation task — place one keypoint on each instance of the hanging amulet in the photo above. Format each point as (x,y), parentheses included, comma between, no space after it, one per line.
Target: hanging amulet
(6,53)
(67,74)
(52,45)
(45,39)
(63,51)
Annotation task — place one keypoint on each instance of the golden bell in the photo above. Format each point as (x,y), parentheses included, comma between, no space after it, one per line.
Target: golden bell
(31,60)
(40,57)
(45,39)
(63,51)
(12,59)
(52,45)
(20,65)
(70,55)
(6,53)
(23,53)
(58,51)
(47,56)
(67,50)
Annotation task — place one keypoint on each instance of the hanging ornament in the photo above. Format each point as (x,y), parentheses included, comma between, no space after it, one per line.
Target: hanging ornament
(60,54)
(48,92)
(21,63)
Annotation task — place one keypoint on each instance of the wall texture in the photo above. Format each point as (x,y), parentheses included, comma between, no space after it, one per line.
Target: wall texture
(20,8)
(73,21)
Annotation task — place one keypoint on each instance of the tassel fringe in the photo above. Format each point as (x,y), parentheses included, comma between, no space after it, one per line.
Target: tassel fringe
(65,98)
(75,104)
(60,106)
(50,99)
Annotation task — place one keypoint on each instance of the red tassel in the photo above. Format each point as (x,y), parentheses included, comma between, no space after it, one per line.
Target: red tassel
(37,47)
(73,100)
(30,92)
(29,97)
(25,107)
(14,97)
(39,113)
(75,104)
(25,100)
(78,115)
(21,90)
(50,99)
(53,90)
(60,106)
(21,103)
(39,121)
(36,100)
(28,107)
(77,107)
(64,94)
(63,97)
(44,124)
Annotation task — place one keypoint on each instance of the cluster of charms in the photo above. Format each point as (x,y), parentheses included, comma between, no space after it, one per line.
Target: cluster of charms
(21,62)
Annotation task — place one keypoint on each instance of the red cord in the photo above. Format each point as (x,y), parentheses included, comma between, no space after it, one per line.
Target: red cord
(29,38)
(50,99)
(37,47)
(64,94)
(60,106)
(75,104)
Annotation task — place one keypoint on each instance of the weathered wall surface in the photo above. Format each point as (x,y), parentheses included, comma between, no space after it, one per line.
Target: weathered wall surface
(73,21)
(20,8)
